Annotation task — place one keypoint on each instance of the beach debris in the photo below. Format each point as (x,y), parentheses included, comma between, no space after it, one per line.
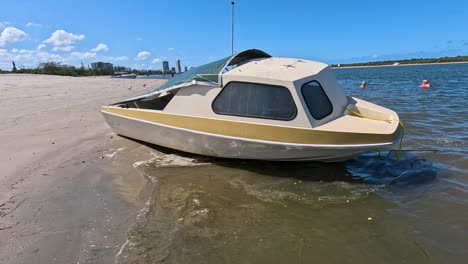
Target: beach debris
(130,88)
(110,156)
(369,218)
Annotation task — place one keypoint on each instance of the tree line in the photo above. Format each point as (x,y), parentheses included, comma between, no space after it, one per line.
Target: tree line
(408,61)
(57,68)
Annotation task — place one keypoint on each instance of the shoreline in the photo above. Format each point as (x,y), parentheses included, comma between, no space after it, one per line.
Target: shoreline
(410,64)
(63,199)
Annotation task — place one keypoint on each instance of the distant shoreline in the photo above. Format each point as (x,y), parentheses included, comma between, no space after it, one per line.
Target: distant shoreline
(399,65)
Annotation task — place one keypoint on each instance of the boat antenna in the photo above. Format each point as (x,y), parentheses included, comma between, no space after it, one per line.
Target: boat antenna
(232,36)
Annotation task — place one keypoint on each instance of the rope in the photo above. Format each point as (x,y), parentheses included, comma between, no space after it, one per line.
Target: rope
(398,152)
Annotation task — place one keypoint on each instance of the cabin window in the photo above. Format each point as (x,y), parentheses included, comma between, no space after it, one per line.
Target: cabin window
(255,100)
(317,100)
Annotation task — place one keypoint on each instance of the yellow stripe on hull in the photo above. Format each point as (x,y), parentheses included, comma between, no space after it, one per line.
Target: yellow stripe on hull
(253,131)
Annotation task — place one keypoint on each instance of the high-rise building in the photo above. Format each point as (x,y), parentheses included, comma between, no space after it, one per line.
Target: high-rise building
(173,69)
(165,66)
(102,67)
(179,70)
(186,68)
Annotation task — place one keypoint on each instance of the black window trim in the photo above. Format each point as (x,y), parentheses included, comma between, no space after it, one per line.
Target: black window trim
(259,117)
(326,96)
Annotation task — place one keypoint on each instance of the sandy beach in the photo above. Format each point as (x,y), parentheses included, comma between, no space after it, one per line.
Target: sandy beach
(62,200)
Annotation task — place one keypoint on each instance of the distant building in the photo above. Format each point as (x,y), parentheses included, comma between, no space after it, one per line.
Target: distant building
(173,69)
(165,66)
(186,68)
(102,67)
(179,70)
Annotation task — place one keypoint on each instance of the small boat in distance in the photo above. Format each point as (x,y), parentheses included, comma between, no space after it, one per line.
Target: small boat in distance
(254,106)
(124,75)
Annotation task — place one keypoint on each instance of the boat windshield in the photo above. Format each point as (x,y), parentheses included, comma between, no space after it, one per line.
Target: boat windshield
(209,73)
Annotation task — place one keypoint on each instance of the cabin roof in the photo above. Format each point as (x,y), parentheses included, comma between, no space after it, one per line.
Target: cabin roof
(283,69)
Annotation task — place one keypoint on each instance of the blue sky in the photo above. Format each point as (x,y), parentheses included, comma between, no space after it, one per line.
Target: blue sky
(140,34)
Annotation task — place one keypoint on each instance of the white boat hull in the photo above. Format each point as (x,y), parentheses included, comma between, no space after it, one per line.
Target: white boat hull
(215,145)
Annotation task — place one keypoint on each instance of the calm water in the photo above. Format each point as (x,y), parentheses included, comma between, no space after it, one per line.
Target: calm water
(366,210)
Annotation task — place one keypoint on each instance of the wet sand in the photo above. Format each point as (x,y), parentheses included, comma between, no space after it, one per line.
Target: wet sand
(60,197)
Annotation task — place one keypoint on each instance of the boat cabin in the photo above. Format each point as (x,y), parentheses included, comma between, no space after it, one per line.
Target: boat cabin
(252,87)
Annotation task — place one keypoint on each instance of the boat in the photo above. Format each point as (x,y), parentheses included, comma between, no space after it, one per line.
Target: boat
(255,106)
(124,75)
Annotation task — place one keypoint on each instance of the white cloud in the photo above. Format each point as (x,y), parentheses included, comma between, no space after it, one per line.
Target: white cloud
(143,55)
(31,24)
(4,24)
(12,35)
(44,56)
(157,60)
(63,38)
(29,58)
(26,51)
(3,52)
(41,46)
(375,56)
(83,55)
(65,48)
(100,47)
(171,49)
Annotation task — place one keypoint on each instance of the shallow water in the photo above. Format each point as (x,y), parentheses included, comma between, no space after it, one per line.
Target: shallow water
(366,210)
